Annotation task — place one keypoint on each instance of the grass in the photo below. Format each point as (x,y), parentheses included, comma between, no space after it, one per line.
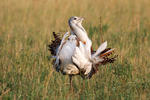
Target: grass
(26,28)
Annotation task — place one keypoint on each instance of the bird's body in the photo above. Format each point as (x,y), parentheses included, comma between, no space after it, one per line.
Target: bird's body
(72,57)
(65,56)
(73,54)
(69,54)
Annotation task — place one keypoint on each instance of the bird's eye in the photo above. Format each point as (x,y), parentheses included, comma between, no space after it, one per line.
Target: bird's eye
(75,18)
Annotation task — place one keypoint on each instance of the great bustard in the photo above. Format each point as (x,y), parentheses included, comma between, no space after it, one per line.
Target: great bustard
(72,54)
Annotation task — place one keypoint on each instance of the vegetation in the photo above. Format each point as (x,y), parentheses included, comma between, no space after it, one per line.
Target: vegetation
(26,28)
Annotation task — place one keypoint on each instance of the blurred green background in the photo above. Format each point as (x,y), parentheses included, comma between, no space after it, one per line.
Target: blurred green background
(26,28)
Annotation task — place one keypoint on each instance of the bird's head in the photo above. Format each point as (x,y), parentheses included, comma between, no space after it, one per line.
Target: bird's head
(75,20)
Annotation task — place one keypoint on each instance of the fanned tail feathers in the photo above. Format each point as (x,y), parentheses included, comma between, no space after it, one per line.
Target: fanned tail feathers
(105,55)
(53,46)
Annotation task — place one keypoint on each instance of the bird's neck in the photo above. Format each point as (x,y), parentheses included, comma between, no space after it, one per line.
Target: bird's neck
(80,27)
(77,27)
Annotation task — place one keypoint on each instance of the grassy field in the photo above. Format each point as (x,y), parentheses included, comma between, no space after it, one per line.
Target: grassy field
(26,28)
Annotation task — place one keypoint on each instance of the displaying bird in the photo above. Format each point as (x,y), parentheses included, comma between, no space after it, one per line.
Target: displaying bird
(72,54)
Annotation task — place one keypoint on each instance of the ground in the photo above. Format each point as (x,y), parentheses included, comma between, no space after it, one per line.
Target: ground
(26,28)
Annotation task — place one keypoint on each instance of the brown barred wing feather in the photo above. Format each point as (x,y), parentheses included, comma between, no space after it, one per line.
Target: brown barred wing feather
(53,46)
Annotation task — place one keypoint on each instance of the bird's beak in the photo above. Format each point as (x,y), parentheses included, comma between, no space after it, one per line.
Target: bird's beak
(80,19)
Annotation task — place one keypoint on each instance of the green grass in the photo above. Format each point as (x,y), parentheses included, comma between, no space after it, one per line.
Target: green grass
(26,70)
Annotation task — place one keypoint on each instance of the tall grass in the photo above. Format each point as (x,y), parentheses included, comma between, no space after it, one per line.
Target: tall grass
(25,65)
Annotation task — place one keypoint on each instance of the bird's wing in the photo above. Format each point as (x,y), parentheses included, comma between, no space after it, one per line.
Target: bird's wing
(67,51)
(62,42)
(81,59)
(65,56)
(60,47)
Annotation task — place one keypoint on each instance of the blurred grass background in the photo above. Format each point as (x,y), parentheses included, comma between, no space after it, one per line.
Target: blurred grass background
(26,28)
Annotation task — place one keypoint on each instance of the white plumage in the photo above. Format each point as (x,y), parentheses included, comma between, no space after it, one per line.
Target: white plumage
(73,54)
(65,56)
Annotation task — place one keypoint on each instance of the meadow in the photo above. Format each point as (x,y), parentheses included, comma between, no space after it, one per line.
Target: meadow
(26,71)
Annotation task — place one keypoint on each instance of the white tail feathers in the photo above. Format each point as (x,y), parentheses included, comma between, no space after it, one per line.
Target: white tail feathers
(100,49)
